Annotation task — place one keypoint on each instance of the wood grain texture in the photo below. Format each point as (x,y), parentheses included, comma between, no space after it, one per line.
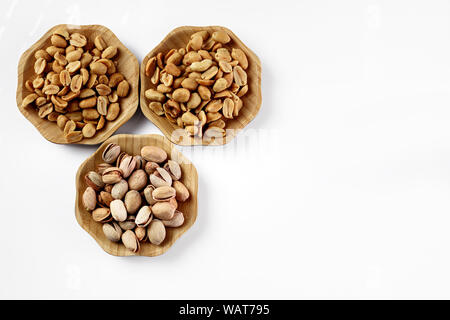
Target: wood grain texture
(127,65)
(178,38)
(132,144)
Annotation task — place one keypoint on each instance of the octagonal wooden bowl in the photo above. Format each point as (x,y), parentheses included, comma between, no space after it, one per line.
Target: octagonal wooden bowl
(178,38)
(132,144)
(127,65)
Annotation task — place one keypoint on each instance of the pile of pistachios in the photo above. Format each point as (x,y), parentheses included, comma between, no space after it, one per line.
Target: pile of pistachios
(135,196)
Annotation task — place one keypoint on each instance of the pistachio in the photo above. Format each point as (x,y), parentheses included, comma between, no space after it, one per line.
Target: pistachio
(105,198)
(101,215)
(111,153)
(156,232)
(148,194)
(128,224)
(137,180)
(132,201)
(154,154)
(164,193)
(130,241)
(141,233)
(176,221)
(118,210)
(163,210)
(119,189)
(101,167)
(140,162)
(144,216)
(182,193)
(112,231)
(150,167)
(127,165)
(112,175)
(89,199)
(160,178)
(174,169)
(94,180)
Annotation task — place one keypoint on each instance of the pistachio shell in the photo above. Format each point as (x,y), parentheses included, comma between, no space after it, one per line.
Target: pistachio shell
(111,153)
(119,189)
(152,153)
(118,210)
(163,210)
(161,178)
(130,241)
(138,180)
(164,193)
(89,199)
(182,193)
(112,231)
(176,221)
(144,216)
(156,232)
(101,214)
(132,201)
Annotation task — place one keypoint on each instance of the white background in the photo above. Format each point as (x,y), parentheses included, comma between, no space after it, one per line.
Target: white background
(338,189)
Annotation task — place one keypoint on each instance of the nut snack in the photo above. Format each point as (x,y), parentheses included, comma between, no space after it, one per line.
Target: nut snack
(78,84)
(199,86)
(135,197)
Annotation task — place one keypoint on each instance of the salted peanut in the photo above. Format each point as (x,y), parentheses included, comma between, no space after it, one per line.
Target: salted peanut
(225,66)
(192,130)
(228,108)
(163,88)
(64,78)
(109,52)
(240,76)
(201,66)
(205,54)
(74,136)
(189,118)
(220,85)
(113,112)
(205,82)
(237,105)
(52,50)
(181,95)
(73,56)
(76,83)
(229,78)
(191,57)
(69,126)
(98,68)
(59,102)
(42,54)
(89,130)
(210,73)
(113,97)
(56,66)
(75,116)
(90,114)
(154,95)
(101,123)
(214,106)
(61,121)
(73,67)
(88,103)
(223,54)
(58,41)
(62,61)
(166,79)
(221,37)
(223,94)
(122,88)
(172,69)
(240,56)
(189,84)
(99,43)
(217,123)
(103,89)
(155,78)
(86,59)
(194,101)
(40,101)
(86,93)
(77,40)
(204,92)
(103,79)
(156,107)
(175,58)
(150,67)
(29,99)
(102,105)
(39,65)
(243,91)
(212,116)
(196,42)
(115,79)
(92,81)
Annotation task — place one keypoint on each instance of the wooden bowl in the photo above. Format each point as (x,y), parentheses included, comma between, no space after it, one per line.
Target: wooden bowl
(132,144)
(128,66)
(178,38)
